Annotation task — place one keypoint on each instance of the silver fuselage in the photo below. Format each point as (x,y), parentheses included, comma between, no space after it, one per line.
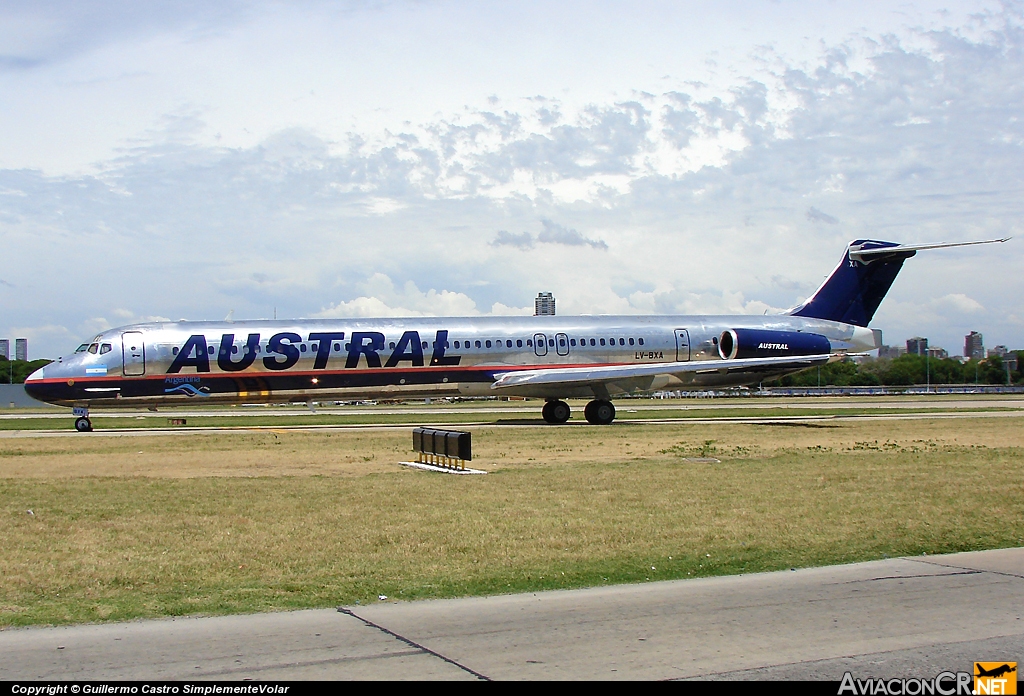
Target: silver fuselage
(342,359)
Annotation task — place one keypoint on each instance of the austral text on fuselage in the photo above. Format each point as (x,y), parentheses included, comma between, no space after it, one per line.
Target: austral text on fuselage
(283,351)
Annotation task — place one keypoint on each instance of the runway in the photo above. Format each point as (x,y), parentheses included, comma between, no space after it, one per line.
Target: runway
(531,408)
(527,416)
(901,617)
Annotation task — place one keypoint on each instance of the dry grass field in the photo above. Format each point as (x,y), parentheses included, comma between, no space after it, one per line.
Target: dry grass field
(124,527)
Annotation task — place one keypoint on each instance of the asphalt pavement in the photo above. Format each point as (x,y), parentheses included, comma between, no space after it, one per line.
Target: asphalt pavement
(899,617)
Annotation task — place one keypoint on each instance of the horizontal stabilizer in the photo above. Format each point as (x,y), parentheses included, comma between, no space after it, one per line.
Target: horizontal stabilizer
(864,254)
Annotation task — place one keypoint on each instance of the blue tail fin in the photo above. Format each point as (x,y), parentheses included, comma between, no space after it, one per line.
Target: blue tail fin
(856,287)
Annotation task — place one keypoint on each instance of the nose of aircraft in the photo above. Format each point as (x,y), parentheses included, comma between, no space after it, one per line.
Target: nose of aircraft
(32,384)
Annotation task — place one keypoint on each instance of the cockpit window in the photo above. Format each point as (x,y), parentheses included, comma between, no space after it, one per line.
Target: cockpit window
(93,348)
(105,348)
(82,348)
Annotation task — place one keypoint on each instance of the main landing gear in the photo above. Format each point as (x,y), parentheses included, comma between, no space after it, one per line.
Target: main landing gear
(556,412)
(597,412)
(82,422)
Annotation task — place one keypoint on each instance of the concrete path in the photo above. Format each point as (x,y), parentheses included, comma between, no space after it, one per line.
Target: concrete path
(903,617)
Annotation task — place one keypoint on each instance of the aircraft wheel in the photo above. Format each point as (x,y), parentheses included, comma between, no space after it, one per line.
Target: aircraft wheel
(556,412)
(599,412)
(83,425)
(559,412)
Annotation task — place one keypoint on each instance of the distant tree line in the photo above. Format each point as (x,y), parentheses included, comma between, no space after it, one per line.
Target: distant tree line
(904,370)
(19,369)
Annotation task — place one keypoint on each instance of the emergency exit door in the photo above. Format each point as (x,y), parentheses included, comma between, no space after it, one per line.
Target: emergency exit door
(682,345)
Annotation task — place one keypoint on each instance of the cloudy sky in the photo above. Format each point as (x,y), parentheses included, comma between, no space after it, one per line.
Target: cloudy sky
(186,159)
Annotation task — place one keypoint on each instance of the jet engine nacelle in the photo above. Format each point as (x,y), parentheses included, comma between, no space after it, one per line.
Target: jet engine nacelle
(761,343)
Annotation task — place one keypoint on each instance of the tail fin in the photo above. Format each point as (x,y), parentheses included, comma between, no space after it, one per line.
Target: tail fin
(856,287)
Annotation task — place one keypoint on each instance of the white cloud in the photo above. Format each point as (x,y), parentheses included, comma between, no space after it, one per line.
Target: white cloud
(675,195)
(385,300)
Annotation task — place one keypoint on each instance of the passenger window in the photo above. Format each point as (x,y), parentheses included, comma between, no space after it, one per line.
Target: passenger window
(592,342)
(348,346)
(622,341)
(631,341)
(105,348)
(519,343)
(174,351)
(302,347)
(456,344)
(391,345)
(337,346)
(551,342)
(488,344)
(561,342)
(209,350)
(478,344)
(641,341)
(602,341)
(508,343)
(529,342)
(94,347)
(424,344)
(234,350)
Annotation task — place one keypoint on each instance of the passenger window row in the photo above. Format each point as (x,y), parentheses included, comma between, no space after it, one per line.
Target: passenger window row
(459,345)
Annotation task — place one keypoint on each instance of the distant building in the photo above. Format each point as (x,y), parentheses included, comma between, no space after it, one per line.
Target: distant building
(544,305)
(21,349)
(1010,361)
(917,346)
(1001,351)
(974,346)
(891,351)
(938,353)
(5,348)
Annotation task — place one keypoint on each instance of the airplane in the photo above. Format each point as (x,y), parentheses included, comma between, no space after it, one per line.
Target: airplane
(995,671)
(546,357)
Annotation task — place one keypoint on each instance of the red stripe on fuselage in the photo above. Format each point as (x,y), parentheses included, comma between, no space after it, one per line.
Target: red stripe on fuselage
(342,371)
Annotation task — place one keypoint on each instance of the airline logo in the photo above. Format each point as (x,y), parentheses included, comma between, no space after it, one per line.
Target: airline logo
(283,351)
(773,346)
(995,678)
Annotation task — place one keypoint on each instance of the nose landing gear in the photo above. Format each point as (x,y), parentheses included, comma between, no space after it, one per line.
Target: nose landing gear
(82,422)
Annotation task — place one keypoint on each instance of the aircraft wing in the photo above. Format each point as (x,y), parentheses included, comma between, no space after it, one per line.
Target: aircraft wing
(576,376)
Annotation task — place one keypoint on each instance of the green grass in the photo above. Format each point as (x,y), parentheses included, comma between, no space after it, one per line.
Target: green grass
(572,513)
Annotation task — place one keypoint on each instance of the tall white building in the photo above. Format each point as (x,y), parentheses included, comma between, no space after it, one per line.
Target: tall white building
(544,305)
